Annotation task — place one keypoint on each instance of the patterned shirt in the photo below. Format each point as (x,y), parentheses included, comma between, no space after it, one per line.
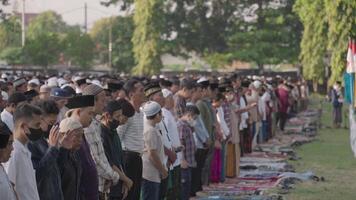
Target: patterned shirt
(105,171)
(227,112)
(187,140)
(179,106)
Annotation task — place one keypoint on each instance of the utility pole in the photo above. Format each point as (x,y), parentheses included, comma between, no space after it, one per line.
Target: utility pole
(110,43)
(85,17)
(23,26)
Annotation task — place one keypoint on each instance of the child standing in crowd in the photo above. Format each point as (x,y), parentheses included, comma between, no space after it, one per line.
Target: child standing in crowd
(154,168)
(337,101)
(185,127)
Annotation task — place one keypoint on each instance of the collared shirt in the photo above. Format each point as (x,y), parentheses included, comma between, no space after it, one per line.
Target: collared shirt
(131,133)
(8,119)
(6,190)
(187,140)
(153,141)
(173,134)
(105,171)
(21,172)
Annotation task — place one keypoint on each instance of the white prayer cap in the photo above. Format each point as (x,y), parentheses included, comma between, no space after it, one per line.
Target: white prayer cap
(4,95)
(161,76)
(257,84)
(4,75)
(202,79)
(154,77)
(52,82)
(69,124)
(166,93)
(35,81)
(151,108)
(61,82)
(254,77)
(96,82)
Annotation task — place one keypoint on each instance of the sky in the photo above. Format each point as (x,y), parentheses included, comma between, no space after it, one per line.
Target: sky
(72,11)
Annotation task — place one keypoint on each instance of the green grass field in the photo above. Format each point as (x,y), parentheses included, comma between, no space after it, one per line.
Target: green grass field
(330,156)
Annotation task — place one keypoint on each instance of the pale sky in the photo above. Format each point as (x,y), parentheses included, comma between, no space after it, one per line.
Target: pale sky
(72,11)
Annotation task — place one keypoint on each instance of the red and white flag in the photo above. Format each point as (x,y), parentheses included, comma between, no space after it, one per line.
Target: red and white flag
(351,57)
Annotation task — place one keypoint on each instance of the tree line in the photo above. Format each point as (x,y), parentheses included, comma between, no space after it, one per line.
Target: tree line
(312,34)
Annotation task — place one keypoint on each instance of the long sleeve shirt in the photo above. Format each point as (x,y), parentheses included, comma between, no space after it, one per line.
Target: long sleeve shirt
(21,173)
(105,170)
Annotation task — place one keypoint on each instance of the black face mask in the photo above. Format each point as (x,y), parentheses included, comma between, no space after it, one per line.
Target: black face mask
(46,133)
(35,134)
(114,124)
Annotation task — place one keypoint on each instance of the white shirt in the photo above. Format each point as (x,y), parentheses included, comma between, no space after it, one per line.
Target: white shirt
(244,115)
(220,118)
(21,172)
(131,133)
(8,119)
(6,190)
(173,133)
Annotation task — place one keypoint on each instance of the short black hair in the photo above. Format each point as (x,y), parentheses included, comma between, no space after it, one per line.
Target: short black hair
(48,107)
(192,110)
(219,97)
(112,106)
(187,84)
(127,109)
(26,111)
(16,98)
(130,86)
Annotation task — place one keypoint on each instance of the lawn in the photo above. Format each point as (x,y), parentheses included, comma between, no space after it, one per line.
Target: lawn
(330,156)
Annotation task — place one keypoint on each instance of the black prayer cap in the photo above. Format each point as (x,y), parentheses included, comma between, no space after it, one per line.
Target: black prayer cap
(81,81)
(80,101)
(114,86)
(5,134)
(16,98)
(245,83)
(214,85)
(152,88)
(225,85)
(31,94)
(166,83)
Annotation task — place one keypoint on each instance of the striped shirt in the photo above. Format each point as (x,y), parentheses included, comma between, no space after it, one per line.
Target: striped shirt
(187,140)
(131,133)
(105,171)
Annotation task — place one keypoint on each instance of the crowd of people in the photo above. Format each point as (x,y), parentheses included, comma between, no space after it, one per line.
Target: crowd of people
(69,137)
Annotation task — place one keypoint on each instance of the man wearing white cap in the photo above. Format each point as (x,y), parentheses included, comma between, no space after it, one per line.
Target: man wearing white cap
(154,169)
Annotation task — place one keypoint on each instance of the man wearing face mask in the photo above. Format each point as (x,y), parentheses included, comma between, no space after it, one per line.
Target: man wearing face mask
(7,114)
(107,175)
(82,109)
(111,119)
(45,153)
(20,169)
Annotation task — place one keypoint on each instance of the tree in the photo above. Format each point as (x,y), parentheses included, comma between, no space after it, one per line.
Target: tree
(122,48)
(43,50)
(327,27)
(146,38)
(10,33)
(268,34)
(79,48)
(12,55)
(49,22)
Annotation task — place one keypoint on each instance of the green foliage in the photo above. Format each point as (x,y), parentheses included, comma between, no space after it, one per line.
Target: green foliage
(147,19)
(313,44)
(12,55)
(44,49)
(79,49)
(46,22)
(10,33)
(272,38)
(327,26)
(122,31)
